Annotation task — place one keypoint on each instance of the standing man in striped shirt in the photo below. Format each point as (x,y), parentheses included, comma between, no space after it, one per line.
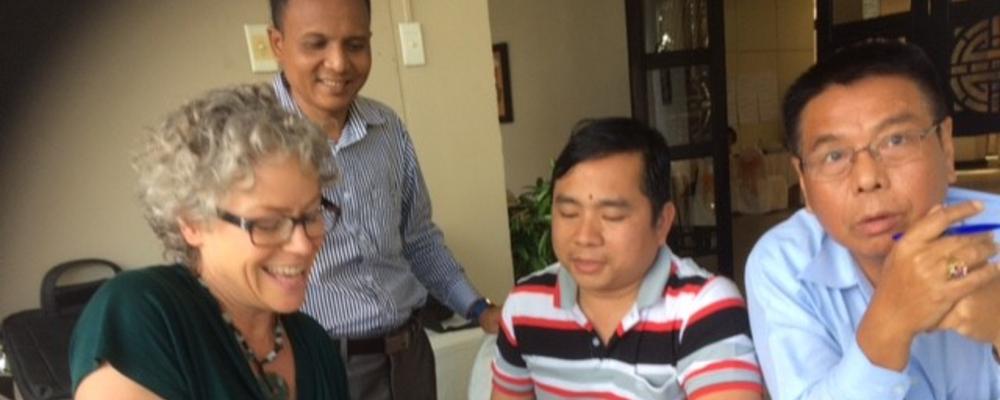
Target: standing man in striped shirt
(619,316)
(374,269)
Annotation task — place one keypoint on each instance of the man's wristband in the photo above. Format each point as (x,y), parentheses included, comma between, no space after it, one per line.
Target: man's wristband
(477,309)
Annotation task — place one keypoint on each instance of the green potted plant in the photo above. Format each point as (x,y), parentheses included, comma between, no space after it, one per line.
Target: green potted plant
(530,216)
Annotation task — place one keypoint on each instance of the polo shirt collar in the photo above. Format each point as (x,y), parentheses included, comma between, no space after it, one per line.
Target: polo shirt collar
(656,278)
(650,290)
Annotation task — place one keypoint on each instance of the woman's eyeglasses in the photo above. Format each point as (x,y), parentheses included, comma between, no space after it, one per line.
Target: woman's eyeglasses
(278,230)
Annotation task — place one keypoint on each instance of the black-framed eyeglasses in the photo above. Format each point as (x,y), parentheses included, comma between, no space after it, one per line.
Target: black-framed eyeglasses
(278,230)
(894,149)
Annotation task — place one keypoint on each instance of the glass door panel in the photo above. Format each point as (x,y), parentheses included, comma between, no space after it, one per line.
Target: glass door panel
(859,10)
(680,104)
(673,25)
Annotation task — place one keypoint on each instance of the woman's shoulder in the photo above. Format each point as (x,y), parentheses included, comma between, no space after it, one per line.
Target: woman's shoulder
(156,275)
(144,287)
(135,322)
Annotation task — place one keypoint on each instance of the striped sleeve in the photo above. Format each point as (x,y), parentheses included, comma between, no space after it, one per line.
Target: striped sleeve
(716,353)
(423,242)
(510,373)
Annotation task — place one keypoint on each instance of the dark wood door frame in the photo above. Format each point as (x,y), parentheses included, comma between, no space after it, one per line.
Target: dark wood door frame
(714,57)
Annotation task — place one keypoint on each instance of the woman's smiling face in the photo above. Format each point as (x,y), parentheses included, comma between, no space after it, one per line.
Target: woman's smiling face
(266,278)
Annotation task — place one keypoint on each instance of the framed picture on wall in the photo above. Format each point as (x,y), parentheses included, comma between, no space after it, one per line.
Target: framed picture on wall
(501,71)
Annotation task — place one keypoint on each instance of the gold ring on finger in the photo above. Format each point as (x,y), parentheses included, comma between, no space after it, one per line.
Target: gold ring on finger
(957,268)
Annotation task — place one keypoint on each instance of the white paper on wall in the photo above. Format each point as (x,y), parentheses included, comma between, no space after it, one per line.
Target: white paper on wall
(767,95)
(746,99)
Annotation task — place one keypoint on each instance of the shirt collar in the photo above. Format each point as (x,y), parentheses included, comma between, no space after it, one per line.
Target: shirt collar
(833,266)
(362,114)
(650,290)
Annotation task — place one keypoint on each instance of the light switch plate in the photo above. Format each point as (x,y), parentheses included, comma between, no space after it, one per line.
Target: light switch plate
(411,42)
(261,58)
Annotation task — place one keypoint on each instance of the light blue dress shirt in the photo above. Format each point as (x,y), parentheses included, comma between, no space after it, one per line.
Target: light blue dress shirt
(806,298)
(377,263)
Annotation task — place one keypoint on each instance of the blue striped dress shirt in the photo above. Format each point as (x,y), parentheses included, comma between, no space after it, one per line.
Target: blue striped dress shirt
(374,266)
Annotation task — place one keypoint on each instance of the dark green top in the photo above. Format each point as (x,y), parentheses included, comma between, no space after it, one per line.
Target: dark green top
(162,329)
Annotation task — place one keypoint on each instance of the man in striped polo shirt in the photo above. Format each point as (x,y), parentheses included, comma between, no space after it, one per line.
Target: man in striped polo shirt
(619,316)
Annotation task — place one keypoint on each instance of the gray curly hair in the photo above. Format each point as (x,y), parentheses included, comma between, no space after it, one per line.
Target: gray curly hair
(199,151)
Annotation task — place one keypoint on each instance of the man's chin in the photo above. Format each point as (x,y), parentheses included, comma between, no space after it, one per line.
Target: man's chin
(592,283)
(334,104)
(872,249)
(286,306)
(328,101)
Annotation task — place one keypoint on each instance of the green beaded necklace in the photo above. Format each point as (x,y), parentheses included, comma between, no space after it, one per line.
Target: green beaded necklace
(272,384)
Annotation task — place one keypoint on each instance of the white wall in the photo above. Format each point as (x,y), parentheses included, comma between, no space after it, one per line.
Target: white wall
(68,189)
(449,105)
(568,60)
(766,41)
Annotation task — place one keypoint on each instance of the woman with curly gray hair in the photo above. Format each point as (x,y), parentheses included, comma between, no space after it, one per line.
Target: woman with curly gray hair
(231,184)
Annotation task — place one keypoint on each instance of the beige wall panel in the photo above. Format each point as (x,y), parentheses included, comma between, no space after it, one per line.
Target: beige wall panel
(568,61)
(64,159)
(756,25)
(794,20)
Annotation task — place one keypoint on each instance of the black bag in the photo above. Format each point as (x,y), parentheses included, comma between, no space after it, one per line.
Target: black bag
(37,341)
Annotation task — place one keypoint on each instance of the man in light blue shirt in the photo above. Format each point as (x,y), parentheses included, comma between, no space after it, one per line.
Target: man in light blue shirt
(862,295)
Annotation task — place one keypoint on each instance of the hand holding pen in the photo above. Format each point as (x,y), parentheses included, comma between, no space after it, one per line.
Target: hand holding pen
(913,287)
(959,230)
(917,282)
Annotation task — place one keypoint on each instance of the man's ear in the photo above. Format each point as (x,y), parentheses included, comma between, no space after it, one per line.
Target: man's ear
(948,146)
(666,221)
(277,41)
(192,231)
(797,165)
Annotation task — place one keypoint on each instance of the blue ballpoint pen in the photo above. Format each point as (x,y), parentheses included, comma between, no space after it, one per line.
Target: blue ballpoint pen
(970,229)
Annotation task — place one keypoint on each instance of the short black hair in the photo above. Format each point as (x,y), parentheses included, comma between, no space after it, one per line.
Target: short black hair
(873,57)
(278,11)
(598,138)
